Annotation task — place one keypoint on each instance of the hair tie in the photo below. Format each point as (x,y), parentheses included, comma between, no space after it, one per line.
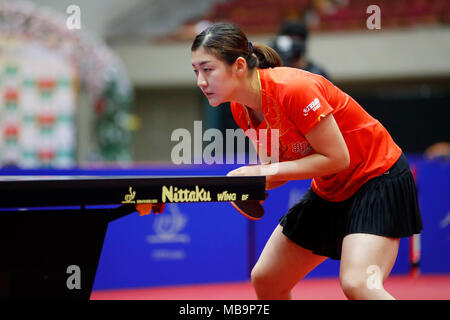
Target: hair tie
(250,47)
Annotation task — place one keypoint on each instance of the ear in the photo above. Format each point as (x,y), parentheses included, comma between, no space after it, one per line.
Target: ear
(240,67)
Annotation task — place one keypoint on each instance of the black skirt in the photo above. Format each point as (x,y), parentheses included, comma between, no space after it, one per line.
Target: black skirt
(386,205)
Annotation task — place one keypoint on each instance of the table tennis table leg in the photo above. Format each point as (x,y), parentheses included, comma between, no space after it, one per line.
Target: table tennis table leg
(43,250)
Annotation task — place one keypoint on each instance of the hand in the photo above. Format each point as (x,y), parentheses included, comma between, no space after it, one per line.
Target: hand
(246,171)
(256,171)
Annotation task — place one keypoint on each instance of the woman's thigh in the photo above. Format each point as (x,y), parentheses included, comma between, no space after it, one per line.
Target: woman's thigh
(283,262)
(368,258)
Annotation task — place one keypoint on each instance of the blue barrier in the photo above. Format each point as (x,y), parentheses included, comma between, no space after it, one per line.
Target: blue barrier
(434,197)
(188,243)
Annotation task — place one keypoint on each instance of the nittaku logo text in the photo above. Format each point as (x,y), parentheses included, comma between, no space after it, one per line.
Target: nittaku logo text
(174,194)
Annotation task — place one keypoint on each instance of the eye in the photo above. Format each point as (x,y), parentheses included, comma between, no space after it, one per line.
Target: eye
(196,72)
(206,69)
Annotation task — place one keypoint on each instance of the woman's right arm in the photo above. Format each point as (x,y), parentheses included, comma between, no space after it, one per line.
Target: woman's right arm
(264,159)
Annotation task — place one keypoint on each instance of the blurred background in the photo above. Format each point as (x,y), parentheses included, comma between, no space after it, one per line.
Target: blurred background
(105,83)
(114,87)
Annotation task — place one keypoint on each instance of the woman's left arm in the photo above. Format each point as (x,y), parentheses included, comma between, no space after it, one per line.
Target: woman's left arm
(331,156)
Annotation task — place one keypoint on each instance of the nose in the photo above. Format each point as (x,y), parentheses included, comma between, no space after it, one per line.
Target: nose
(201,81)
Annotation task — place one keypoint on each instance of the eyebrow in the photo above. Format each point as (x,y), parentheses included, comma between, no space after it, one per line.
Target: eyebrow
(201,63)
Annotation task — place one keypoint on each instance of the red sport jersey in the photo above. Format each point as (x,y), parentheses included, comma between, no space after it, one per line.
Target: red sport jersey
(294,101)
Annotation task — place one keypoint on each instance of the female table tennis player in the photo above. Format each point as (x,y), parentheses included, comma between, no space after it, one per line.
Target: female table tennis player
(362,198)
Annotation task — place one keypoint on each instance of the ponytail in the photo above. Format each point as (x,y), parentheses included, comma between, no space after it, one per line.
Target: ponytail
(228,42)
(267,57)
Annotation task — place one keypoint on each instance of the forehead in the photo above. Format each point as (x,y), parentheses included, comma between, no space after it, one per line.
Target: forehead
(201,57)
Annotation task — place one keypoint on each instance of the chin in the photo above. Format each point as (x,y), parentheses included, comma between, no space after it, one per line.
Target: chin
(214,103)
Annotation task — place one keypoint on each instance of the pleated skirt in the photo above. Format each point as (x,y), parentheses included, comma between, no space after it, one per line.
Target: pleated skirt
(386,206)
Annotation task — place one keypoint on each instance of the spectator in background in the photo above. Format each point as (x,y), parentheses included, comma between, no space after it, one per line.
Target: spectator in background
(439,150)
(290,44)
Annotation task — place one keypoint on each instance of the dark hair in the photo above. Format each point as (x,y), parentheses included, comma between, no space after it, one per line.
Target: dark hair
(227,42)
(294,28)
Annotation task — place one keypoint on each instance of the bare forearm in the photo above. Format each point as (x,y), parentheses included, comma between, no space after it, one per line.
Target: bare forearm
(315,165)
(331,156)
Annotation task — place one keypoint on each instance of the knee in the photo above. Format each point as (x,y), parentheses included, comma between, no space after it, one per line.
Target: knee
(353,287)
(260,279)
(266,285)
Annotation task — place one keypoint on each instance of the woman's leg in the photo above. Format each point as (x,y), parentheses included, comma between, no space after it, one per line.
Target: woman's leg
(366,262)
(281,265)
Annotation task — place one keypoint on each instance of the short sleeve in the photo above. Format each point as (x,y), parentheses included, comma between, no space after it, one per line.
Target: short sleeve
(305,102)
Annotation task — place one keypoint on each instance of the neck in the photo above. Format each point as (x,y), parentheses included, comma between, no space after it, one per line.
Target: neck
(249,92)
